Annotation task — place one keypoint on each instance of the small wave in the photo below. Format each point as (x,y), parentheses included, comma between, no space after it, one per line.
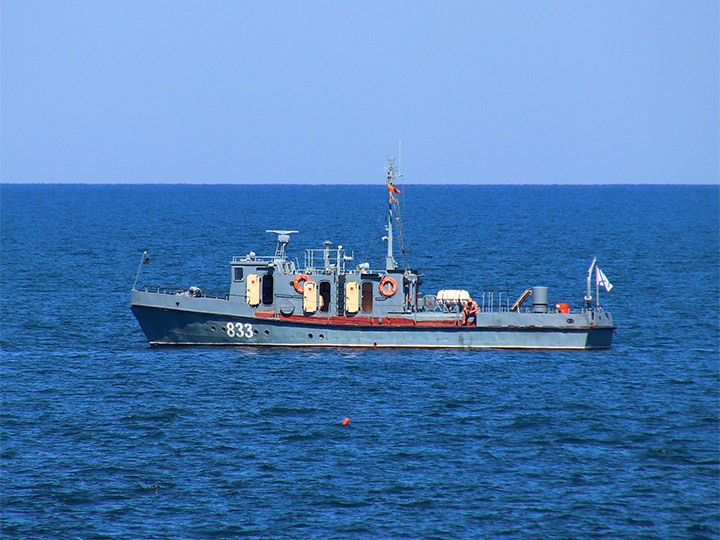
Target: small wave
(308,436)
(289,411)
(529,422)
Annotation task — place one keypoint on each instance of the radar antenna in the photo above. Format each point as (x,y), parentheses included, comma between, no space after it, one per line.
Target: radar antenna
(282,240)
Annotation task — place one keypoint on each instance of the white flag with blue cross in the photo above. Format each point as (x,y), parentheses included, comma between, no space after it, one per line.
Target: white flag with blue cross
(601,279)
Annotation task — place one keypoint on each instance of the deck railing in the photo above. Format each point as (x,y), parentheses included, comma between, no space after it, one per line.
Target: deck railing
(195,292)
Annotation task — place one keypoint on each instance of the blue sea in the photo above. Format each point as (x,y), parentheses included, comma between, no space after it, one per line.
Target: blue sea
(103,437)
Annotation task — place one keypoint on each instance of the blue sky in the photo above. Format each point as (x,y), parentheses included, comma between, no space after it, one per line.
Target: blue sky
(518,92)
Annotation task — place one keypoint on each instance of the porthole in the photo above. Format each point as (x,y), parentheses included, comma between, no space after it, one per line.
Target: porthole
(213,328)
(321,336)
(223,329)
(255,332)
(267,332)
(310,336)
(570,321)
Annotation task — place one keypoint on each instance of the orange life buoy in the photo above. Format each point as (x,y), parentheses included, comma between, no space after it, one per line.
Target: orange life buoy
(393,286)
(302,277)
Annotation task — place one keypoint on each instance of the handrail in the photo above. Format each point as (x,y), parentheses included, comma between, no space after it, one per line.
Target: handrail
(164,289)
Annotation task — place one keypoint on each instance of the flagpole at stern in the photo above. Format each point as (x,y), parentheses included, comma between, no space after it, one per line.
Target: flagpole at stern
(588,296)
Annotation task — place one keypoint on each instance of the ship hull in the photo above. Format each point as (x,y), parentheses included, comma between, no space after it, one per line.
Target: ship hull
(165,325)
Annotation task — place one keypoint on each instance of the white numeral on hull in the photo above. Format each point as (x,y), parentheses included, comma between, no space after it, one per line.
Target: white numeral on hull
(240,330)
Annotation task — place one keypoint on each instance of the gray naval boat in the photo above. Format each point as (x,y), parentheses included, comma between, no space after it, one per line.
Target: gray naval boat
(327,302)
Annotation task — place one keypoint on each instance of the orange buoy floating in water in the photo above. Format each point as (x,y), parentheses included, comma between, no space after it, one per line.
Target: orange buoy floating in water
(346,421)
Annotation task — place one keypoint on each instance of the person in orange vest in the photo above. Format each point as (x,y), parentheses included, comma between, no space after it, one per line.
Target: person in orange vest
(469,316)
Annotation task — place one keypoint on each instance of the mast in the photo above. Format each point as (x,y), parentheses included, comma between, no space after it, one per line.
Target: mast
(399,154)
(390,262)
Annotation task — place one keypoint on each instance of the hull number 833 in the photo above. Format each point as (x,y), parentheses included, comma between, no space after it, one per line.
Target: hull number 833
(240,330)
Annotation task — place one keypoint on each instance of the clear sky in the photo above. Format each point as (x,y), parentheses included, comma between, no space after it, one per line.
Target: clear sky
(480,92)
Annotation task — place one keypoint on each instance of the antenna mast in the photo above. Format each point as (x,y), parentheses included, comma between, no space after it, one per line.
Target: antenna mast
(400,155)
(390,262)
(392,175)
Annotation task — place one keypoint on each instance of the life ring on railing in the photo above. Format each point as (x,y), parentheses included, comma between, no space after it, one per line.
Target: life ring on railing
(302,277)
(393,286)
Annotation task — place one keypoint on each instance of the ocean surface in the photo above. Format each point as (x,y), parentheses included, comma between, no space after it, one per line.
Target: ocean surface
(105,437)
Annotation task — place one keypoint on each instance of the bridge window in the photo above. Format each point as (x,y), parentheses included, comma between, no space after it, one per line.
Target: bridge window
(267,289)
(237,273)
(367,297)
